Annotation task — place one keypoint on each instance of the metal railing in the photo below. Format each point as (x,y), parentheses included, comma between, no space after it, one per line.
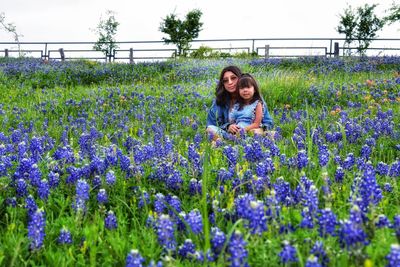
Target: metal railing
(132,51)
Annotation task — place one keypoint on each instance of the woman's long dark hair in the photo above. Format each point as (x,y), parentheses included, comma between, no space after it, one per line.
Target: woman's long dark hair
(221,95)
(246,80)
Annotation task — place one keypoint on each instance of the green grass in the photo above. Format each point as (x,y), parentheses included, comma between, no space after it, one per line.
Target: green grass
(150,105)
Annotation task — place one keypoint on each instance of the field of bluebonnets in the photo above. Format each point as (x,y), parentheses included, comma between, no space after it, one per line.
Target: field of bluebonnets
(109,165)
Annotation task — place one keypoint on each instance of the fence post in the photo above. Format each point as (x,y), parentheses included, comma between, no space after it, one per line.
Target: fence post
(62,55)
(131,56)
(266,51)
(45,56)
(6,52)
(336,50)
(112,55)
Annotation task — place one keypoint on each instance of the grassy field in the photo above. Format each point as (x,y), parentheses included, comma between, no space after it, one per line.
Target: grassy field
(109,165)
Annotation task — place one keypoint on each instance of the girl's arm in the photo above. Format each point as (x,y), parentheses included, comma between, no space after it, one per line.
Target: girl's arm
(257,120)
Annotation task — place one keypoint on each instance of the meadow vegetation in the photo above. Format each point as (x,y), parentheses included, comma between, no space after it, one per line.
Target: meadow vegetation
(109,165)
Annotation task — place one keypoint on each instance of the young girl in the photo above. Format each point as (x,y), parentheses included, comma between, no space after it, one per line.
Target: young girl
(247,113)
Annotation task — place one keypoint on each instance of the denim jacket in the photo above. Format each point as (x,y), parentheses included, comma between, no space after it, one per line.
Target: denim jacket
(219,116)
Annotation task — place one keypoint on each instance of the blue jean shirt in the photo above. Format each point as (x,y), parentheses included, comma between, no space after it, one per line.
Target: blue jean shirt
(219,116)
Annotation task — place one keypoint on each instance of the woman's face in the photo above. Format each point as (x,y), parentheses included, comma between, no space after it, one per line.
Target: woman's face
(230,80)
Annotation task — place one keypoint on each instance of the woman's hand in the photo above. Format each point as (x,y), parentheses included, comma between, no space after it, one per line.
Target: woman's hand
(233,129)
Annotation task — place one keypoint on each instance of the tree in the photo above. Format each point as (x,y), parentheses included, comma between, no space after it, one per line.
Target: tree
(11,28)
(347,26)
(181,33)
(394,14)
(361,26)
(106,30)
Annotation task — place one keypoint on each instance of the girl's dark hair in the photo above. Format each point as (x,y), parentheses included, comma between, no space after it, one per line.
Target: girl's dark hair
(221,95)
(246,80)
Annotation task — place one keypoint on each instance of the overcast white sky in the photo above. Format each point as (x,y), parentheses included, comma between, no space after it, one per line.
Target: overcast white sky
(72,20)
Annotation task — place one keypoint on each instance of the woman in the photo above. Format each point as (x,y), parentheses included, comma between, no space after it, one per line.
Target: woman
(225,98)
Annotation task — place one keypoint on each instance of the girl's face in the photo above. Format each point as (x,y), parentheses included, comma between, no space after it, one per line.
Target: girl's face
(247,93)
(230,80)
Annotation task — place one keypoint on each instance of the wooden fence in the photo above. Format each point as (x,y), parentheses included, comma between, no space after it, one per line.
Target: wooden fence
(132,51)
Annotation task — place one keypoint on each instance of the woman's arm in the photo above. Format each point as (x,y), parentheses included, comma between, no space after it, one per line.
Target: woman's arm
(212,116)
(217,116)
(257,120)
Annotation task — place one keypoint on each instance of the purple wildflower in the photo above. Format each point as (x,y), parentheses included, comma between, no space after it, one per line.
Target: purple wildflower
(352,235)
(253,152)
(394,170)
(396,226)
(159,203)
(21,188)
(265,167)
(382,221)
(180,221)
(218,239)
(231,154)
(110,178)
(339,174)
(312,261)
(302,159)
(97,165)
(323,155)
(288,253)
(307,219)
(225,175)
(36,147)
(166,232)
(195,221)
(387,187)
(82,190)
(393,257)
(368,188)
(175,181)
(64,237)
(144,199)
(260,184)
(102,196)
(327,222)
(349,161)
(110,221)
(382,168)
(35,175)
(237,250)
(152,263)
(319,252)
(134,259)
(194,159)
(54,179)
(96,181)
(36,231)
(174,205)
(283,191)
(43,189)
(283,159)
(30,205)
(11,202)
(195,187)
(64,154)
(187,249)
(366,152)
